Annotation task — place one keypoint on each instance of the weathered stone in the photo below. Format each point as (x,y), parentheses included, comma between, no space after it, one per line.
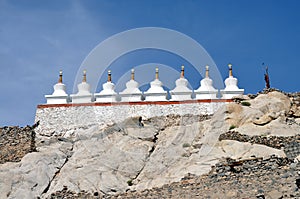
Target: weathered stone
(16,142)
(104,159)
(103,163)
(32,176)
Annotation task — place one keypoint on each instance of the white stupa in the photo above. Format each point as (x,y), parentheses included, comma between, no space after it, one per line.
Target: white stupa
(132,92)
(231,88)
(181,91)
(206,89)
(108,93)
(59,96)
(156,91)
(84,95)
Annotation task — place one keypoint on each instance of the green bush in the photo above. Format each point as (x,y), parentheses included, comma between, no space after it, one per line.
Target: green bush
(129,182)
(232,127)
(244,103)
(186,145)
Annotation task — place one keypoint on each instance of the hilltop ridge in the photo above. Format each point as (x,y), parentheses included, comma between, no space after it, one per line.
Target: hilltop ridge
(126,158)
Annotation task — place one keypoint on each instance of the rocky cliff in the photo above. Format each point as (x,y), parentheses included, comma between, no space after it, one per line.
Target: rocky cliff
(196,156)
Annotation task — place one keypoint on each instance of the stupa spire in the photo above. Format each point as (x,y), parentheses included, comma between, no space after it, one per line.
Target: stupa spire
(60,76)
(132,74)
(156,73)
(109,76)
(84,76)
(207,71)
(230,70)
(182,71)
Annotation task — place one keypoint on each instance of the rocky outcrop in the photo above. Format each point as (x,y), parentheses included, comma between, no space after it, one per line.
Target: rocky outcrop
(16,142)
(233,179)
(133,156)
(290,144)
(294,97)
(250,178)
(267,114)
(32,177)
(259,111)
(105,161)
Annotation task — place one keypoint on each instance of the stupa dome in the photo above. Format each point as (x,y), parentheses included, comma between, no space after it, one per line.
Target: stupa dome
(108,93)
(181,91)
(59,96)
(132,91)
(156,91)
(83,94)
(231,87)
(206,89)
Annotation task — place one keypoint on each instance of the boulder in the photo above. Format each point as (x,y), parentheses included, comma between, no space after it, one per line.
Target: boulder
(266,115)
(272,102)
(244,150)
(276,128)
(32,176)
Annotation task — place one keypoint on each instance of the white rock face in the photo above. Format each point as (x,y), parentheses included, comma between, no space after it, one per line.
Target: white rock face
(170,160)
(104,162)
(264,116)
(33,175)
(235,150)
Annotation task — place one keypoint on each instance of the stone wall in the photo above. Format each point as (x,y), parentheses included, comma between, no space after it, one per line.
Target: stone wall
(64,119)
(16,142)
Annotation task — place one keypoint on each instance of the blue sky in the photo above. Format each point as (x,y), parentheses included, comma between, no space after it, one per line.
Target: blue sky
(38,38)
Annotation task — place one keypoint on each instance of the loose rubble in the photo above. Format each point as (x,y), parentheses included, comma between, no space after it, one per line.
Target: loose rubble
(16,142)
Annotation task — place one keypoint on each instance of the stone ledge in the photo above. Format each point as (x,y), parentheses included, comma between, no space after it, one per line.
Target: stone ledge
(134,103)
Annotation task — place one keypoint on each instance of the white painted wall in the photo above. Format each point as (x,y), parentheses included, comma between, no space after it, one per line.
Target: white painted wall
(63,121)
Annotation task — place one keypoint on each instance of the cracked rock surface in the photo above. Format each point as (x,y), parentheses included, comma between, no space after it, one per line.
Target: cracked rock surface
(129,156)
(105,161)
(33,175)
